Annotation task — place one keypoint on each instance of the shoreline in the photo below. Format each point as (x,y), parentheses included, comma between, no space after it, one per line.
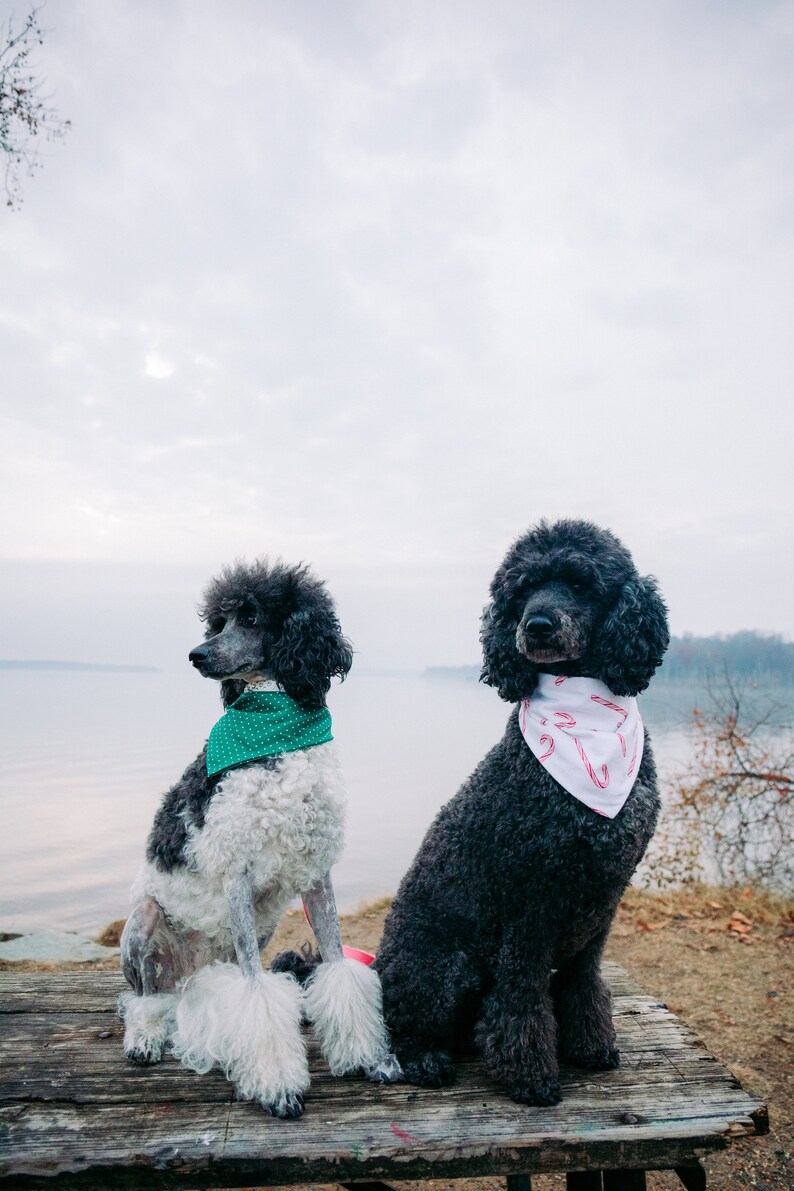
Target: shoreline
(746,914)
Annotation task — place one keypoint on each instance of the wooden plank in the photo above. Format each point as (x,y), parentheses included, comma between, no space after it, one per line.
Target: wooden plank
(44,992)
(193,1145)
(71,1055)
(92,992)
(98,1072)
(372,1127)
(77,1114)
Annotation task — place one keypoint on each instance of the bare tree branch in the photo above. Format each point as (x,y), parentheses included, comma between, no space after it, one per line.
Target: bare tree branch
(25,114)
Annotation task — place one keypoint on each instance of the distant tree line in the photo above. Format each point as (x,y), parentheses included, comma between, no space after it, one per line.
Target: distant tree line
(745,655)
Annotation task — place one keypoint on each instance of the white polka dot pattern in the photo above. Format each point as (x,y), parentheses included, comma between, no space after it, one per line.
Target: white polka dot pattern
(264,724)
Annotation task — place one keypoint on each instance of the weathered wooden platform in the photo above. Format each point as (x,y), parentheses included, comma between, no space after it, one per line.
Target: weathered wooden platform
(75,1114)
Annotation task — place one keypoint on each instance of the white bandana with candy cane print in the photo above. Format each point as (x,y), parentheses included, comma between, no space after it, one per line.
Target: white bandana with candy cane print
(589,739)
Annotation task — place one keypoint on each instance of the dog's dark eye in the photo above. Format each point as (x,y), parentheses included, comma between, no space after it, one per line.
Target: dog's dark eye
(246,614)
(576,584)
(217,625)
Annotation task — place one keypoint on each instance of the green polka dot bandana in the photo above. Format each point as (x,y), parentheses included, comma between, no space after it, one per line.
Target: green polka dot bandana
(264,724)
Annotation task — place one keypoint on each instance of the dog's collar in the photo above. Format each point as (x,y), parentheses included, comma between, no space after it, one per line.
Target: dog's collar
(589,739)
(264,722)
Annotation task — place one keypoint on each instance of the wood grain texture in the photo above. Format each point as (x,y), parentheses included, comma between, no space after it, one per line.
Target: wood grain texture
(74,1113)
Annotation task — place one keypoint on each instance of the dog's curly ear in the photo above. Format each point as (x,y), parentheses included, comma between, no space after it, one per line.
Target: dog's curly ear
(503,666)
(631,642)
(309,653)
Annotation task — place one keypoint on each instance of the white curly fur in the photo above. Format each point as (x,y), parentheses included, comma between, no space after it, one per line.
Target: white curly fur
(250,1029)
(285,826)
(344,1004)
(148,1021)
(282,829)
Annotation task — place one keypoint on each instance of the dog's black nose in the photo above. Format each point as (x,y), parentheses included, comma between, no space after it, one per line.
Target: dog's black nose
(198,655)
(539,626)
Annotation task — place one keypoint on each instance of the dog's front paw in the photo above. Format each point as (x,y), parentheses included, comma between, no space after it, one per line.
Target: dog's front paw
(604,1058)
(434,1069)
(541,1092)
(287,1107)
(148,1024)
(388,1070)
(145,1051)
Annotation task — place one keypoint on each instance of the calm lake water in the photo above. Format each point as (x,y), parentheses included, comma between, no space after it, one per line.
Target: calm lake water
(85,757)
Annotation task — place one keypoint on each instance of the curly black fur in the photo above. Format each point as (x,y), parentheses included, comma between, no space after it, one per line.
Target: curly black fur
(262,619)
(300,964)
(515,877)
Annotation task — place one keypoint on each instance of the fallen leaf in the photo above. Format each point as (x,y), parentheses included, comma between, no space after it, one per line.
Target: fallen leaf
(738,916)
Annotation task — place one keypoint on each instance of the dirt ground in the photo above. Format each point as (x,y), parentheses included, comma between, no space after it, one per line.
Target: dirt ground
(723,961)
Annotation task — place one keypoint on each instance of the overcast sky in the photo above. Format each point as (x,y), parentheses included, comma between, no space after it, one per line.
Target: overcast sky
(376,286)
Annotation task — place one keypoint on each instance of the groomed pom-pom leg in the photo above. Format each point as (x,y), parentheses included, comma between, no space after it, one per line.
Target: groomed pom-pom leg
(250,1029)
(344,1000)
(345,1006)
(244,1020)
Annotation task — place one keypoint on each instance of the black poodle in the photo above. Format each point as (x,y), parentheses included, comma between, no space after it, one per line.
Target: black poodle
(499,925)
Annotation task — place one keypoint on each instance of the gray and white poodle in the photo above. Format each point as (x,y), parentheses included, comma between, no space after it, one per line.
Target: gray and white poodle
(497,930)
(255,820)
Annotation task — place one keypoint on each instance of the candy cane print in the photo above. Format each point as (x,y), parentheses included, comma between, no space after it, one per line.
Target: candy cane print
(622,740)
(612,707)
(524,708)
(602,785)
(564,720)
(634,754)
(560,679)
(548,740)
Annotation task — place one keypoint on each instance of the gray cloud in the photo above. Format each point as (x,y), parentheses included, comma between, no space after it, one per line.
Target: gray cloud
(378,286)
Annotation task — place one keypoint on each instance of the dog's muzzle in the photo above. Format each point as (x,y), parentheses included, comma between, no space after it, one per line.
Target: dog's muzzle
(538,628)
(543,639)
(198,656)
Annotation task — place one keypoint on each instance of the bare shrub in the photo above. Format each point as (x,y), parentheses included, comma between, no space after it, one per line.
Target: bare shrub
(732,805)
